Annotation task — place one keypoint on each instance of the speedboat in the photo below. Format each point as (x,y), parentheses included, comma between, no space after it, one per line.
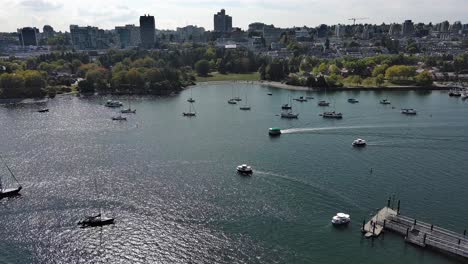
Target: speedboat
(119,118)
(323,103)
(341,219)
(244,169)
(97,220)
(111,103)
(332,115)
(274,131)
(352,100)
(45,110)
(232,101)
(385,102)
(408,111)
(286,107)
(359,143)
(191,100)
(289,115)
(128,111)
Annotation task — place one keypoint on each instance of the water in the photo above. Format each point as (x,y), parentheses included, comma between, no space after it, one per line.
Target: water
(171,184)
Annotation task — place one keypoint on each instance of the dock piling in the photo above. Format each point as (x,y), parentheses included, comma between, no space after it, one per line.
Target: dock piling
(398,208)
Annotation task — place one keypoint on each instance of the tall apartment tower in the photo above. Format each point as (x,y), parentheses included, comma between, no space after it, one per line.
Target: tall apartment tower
(407,28)
(28,36)
(222,22)
(147,31)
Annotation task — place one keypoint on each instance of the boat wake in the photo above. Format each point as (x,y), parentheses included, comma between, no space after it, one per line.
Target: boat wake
(322,189)
(318,129)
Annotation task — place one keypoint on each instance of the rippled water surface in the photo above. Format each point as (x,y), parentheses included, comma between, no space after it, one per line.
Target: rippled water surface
(171,184)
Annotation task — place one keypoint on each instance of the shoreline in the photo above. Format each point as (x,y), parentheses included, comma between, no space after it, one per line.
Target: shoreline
(280,85)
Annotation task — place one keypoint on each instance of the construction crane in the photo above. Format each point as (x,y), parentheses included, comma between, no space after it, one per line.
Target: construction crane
(357,18)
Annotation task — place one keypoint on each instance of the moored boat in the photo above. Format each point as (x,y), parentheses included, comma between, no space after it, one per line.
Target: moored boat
(44,110)
(289,115)
(341,219)
(301,99)
(8,192)
(286,107)
(96,220)
(111,103)
(128,111)
(352,100)
(385,102)
(408,111)
(119,118)
(323,103)
(232,101)
(332,114)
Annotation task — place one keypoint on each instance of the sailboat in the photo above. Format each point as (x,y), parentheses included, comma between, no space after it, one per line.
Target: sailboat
(287,106)
(191,100)
(246,106)
(191,111)
(96,220)
(288,113)
(128,110)
(237,98)
(9,191)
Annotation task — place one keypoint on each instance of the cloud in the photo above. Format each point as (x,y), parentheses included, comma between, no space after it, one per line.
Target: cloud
(41,5)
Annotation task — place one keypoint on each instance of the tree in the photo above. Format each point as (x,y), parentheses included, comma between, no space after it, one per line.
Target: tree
(85,86)
(379,80)
(424,78)
(202,67)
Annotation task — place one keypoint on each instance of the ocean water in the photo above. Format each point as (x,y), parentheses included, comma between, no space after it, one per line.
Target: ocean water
(170,181)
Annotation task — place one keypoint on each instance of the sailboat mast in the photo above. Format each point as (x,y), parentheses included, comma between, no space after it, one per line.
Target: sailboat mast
(97,194)
(11,172)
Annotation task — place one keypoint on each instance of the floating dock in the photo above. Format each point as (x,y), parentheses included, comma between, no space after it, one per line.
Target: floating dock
(419,233)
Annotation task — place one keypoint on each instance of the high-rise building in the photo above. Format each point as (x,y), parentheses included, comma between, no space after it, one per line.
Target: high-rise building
(147,31)
(339,31)
(89,38)
(456,27)
(28,36)
(48,31)
(128,36)
(222,22)
(407,28)
(395,30)
(322,31)
(191,33)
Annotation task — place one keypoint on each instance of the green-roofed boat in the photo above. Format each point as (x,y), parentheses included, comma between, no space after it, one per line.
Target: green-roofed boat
(274,131)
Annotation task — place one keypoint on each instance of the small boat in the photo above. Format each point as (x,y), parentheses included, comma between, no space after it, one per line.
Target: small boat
(385,102)
(45,110)
(332,115)
(301,99)
(286,107)
(359,143)
(310,97)
(455,93)
(191,112)
(97,220)
(289,115)
(270,94)
(191,100)
(119,118)
(245,108)
(464,95)
(274,131)
(244,169)
(408,111)
(237,99)
(323,103)
(232,101)
(8,192)
(111,103)
(128,111)
(341,219)
(352,100)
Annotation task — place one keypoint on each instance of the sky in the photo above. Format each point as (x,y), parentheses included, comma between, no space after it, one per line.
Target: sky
(170,14)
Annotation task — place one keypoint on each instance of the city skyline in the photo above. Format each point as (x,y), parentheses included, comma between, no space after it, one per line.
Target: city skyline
(178,13)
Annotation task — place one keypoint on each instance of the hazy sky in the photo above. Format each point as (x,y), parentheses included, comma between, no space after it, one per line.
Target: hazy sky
(170,14)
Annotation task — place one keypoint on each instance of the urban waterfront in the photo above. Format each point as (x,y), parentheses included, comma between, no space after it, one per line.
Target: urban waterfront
(171,184)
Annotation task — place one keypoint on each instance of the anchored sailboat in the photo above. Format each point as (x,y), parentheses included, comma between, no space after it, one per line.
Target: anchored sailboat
(191,112)
(96,220)
(246,106)
(5,192)
(191,100)
(129,109)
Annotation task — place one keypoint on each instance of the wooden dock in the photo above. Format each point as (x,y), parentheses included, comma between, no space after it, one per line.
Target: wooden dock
(418,233)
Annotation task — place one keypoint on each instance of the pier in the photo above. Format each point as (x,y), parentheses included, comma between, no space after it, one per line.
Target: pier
(418,233)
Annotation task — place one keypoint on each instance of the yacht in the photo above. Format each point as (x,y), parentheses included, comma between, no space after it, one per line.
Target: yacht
(244,169)
(359,143)
(408,111)
(286,107)
(111,103)
(332,114)
(289,115)
(323,103)
(274,131)
(353,101)
(119,118)
(97,220)
(341,219)
(455,93)
(385,102)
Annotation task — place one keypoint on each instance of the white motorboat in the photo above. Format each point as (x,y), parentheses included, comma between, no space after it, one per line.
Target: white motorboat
(289,115)
(341,219)
(359,143)
(244,169)
(111,103)
(332,114)
(323,103)
(408,111)
(128,111)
